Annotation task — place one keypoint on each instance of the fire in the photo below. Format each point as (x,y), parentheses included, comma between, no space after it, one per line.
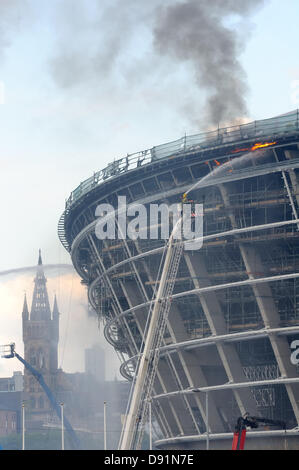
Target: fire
(258,145)
(241,150)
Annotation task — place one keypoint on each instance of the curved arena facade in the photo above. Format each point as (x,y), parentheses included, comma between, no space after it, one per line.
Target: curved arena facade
(230,340)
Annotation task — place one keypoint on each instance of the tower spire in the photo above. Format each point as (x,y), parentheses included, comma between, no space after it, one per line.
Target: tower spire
(40,261)
(40,309)
(55,307)
(55,317)
(25,312)
(40,336)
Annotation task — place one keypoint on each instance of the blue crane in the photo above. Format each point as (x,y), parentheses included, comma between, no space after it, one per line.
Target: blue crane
(8,352)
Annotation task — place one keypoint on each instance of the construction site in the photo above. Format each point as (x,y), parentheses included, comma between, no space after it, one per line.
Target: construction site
(204,336)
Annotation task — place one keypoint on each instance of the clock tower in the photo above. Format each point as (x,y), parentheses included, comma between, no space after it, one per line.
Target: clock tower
(40,336)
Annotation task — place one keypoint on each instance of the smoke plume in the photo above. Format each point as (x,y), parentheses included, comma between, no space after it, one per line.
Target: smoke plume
(203,37)
(68,267)
(195,31)
(11,16)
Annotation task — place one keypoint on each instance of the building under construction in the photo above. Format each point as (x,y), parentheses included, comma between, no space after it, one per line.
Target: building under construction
(234,315)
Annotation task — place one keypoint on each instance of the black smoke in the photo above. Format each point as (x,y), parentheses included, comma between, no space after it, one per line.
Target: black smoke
(195,31)
(207,37)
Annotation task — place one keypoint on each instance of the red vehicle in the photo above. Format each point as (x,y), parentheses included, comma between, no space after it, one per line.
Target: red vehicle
(252,422)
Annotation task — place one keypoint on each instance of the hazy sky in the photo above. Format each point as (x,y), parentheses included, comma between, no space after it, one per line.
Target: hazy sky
(85,81)
(78,330)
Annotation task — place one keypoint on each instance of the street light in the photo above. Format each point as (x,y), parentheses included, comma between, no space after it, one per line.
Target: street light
(207,416)
(23,426)
(62,427)
(150,424)
(105,427)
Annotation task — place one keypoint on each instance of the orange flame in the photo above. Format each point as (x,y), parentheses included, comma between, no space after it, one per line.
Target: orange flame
(241,150)
(259,145)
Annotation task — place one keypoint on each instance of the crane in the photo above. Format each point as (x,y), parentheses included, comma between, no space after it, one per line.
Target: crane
(133,428)
(8,351)
(251,422)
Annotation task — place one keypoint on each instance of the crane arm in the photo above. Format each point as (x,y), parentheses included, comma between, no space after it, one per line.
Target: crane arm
(73,437)
(74,441)
(251,422)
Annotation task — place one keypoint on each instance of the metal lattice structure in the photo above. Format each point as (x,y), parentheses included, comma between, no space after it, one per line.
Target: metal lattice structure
(146,370)
(235,303)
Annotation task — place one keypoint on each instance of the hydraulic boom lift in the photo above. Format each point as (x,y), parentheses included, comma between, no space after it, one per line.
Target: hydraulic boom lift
(8,351)
(252,422)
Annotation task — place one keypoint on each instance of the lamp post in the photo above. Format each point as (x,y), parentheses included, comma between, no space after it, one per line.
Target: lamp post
(105,427)
(62,427)
(23,426)
(207,421)
(150,424)
(207,417)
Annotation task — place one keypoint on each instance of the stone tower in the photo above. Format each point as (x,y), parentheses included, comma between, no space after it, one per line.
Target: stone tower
(40,336)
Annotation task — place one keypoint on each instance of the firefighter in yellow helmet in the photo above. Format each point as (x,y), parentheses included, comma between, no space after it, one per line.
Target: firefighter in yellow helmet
(185,198)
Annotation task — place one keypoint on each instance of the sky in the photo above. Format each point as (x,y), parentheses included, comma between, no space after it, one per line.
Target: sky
(83,82)
(78,331)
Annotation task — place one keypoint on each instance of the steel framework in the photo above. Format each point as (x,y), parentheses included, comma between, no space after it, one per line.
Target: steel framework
(235,302)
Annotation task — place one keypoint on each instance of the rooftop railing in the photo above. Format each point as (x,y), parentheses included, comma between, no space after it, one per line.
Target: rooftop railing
(274,127)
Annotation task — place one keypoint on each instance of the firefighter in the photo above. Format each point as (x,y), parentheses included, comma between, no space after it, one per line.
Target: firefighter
(185,198)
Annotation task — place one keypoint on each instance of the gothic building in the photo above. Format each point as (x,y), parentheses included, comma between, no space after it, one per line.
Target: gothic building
(83,394)
(40,336)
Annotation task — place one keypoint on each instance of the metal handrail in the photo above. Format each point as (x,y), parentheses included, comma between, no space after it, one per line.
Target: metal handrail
(277,126)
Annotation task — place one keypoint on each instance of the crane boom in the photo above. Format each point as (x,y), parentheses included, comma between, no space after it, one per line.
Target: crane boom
(251,422)
(133,429)
(74,441)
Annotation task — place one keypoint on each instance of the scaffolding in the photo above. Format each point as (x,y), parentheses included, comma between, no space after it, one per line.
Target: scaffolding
(244,281)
